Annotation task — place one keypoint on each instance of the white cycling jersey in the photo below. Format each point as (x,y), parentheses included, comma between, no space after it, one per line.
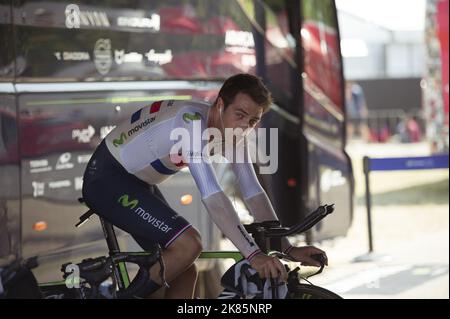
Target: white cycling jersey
(143,145)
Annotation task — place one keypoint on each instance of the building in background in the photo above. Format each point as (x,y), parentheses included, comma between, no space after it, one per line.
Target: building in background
(372,51)
(384,53)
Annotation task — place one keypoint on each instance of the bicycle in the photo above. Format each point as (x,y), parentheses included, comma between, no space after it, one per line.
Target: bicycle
(93,272)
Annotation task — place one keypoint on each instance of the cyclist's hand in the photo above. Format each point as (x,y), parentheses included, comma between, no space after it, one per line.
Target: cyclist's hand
(268,267)
(303,255)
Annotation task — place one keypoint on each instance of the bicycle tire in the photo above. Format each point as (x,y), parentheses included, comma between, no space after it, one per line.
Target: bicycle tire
(305,291)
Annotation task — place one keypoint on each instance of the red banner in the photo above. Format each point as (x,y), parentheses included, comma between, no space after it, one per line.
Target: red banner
(442,30)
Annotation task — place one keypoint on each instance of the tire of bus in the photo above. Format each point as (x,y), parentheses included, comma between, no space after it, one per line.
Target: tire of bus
(305,291)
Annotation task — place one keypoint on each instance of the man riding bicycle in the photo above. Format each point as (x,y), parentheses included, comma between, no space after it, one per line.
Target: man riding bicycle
(121,177)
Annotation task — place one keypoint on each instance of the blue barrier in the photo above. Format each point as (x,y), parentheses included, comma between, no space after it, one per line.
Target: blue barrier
(408,163)
(394,164)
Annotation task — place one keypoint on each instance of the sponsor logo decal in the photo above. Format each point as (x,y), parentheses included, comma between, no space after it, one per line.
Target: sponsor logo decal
(78,182)
(38,166)
(38,188)
(189,117)
(81,159)
(59,184)
(153,22)
(103,56)
(64,161)
(125,201)
(83,135)
(119,141)
(140,125)
(159,58)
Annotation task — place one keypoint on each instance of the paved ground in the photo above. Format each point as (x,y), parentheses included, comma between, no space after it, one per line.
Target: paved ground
(411,232)
(412,247)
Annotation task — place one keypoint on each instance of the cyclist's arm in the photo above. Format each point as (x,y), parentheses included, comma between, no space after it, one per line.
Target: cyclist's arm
(221,209)
(253,194)
(216,202)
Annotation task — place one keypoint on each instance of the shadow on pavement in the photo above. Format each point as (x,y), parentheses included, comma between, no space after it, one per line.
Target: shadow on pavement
(433,193)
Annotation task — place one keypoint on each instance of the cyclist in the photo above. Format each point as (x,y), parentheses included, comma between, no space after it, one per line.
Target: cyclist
(121,177)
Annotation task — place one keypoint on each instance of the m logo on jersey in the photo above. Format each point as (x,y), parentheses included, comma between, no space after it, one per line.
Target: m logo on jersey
(189,117)
(125,202)
(120,140)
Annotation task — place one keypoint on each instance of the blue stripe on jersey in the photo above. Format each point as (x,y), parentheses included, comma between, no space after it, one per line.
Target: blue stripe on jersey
(136,116)
(160,168)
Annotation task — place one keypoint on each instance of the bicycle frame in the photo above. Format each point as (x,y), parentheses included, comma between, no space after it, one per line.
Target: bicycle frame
(267,235)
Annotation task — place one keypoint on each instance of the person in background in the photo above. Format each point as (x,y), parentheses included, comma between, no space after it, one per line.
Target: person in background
(409,130)
(357,112)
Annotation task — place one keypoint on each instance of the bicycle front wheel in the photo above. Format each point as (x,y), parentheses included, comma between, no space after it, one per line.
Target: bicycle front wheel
(304,291)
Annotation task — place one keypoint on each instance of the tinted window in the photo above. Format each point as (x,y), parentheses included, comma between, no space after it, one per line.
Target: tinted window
(280,55)
(320,40)
(6,43)
(278,45)
(322,75)
(133,40)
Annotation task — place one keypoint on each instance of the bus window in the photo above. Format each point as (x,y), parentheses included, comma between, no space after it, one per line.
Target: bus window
(132,40)
(322,74)
(277,28)
(278,46)
(320,41)
(281,66)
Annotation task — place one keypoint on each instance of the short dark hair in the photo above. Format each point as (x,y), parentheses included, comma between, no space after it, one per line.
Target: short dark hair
(249,84)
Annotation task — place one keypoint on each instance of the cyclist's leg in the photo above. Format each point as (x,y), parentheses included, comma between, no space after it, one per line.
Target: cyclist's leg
(181,242)
(187,248)
(183,285)
(127,203)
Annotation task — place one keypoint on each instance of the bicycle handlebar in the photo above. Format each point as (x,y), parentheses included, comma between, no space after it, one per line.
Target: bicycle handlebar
(272,228)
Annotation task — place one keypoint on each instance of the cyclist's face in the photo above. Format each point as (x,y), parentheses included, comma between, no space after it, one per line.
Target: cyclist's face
(243,113)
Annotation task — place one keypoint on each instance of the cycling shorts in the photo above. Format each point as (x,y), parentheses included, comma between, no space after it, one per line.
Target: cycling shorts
(129,203)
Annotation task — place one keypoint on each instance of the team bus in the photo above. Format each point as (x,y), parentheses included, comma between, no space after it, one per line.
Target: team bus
(70,70)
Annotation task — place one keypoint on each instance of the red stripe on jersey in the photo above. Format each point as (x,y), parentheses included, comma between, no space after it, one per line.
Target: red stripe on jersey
(180,164)
(155,107)
(177,160)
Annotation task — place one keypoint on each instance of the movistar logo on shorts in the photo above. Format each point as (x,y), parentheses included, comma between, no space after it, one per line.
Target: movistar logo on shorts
(120,140)
(189,117)
(125,201)
(140,125)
